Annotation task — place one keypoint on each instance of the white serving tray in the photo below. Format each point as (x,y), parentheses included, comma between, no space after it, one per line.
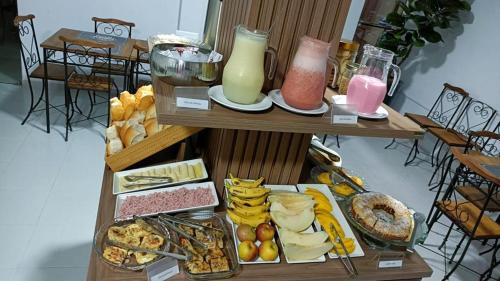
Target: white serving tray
(120,198)
(358,251)
(237,241)
(308,230)
(118,175)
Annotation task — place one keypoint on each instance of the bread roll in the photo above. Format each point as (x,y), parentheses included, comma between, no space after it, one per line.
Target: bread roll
(112,132)
(138,116)
(125,127)
(116,109)
(151,112)
(144,99)
(151,126)
(145,88)
(134,134)
(128,103)
(113,146)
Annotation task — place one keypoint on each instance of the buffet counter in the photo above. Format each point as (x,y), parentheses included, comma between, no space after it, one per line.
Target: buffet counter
(414,267)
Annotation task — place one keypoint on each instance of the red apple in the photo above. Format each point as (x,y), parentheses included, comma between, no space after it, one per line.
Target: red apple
(268,250)
(247,251)
(264,232)
(245,233)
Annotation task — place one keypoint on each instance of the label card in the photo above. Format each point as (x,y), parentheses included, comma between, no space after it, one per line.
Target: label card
(344,114)
(162,269)
(390,264)
(192,97)
(390,260)
(192,103)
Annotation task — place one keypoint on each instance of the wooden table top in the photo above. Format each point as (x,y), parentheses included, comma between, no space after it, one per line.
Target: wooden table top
(54,43)
(415,267)
(475,162)
(280,120)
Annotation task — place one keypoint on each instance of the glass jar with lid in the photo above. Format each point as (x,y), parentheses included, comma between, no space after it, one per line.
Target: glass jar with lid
(345,76)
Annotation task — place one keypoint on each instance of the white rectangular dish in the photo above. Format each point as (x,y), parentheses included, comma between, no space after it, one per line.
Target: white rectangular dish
(237,241)
(309,230)
(120,198)
(337,212)
(119,175)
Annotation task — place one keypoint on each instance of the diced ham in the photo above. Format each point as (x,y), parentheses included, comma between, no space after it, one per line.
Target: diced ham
(165,201)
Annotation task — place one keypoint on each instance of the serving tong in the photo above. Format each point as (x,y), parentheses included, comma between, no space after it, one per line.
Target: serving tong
(170,222)
(346,261)
(185,257)
(141,221)
(138,181)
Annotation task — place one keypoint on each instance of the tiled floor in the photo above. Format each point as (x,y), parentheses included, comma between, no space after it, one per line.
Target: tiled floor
(49,192)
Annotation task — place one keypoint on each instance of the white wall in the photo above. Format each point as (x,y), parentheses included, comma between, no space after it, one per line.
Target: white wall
(352,20)
(150,17)
(468,58)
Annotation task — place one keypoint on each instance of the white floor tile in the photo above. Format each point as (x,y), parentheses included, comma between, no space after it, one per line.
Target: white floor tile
(7,274)
(32,175)
(41,146)
(21,206)
(51,274)
(15,246)
(9,148)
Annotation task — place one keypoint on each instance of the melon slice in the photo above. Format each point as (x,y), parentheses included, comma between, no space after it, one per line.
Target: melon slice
(289,196)
(295,223)
(302,239)
(297,252)
(278,207)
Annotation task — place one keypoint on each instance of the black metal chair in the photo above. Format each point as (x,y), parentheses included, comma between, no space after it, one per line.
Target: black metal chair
(83,53)
(476,116)
(469,201)
(441,114)
(33,65)
(119,28)
(140,69)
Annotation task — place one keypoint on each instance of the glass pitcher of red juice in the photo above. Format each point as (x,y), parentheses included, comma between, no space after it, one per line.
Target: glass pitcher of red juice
(304,84)
(368,86)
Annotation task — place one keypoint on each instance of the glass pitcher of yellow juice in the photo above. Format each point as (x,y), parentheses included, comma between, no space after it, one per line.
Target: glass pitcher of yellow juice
(243,74)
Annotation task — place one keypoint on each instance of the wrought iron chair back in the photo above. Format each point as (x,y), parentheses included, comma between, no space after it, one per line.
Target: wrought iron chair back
(142,66)
(486,142)
(115,27)
(476,116)
(448,103)
(82,54)
(27,41)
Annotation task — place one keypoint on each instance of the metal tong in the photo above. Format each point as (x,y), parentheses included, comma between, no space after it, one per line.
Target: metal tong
(135,181)
(346,261)
(340,172)
(200,227)
(150,251)
(181,232)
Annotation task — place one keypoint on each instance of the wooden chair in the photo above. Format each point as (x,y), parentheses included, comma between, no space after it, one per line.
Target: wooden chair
(472,192)
(140,67)
(83,53)
(476,116)
(33,66)
(441,114)
(113,27)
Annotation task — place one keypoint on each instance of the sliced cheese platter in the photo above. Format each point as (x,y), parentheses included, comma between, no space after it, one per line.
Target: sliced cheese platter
(178,172)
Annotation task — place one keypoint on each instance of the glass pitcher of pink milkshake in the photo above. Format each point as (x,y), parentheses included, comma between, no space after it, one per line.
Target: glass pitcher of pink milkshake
(368,87)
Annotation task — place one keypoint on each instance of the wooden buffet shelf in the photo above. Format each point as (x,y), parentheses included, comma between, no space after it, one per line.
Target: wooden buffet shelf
(414,269)
(279,120)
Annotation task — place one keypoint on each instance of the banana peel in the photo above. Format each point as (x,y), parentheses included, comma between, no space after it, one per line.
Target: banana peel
(248,211)
(253,221)
(252,202)
(246,183)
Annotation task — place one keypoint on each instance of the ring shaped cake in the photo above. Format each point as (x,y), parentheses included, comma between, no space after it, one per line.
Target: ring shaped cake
(383,215)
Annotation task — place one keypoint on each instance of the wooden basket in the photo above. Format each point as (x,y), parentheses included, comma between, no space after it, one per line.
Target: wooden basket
(149,146)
